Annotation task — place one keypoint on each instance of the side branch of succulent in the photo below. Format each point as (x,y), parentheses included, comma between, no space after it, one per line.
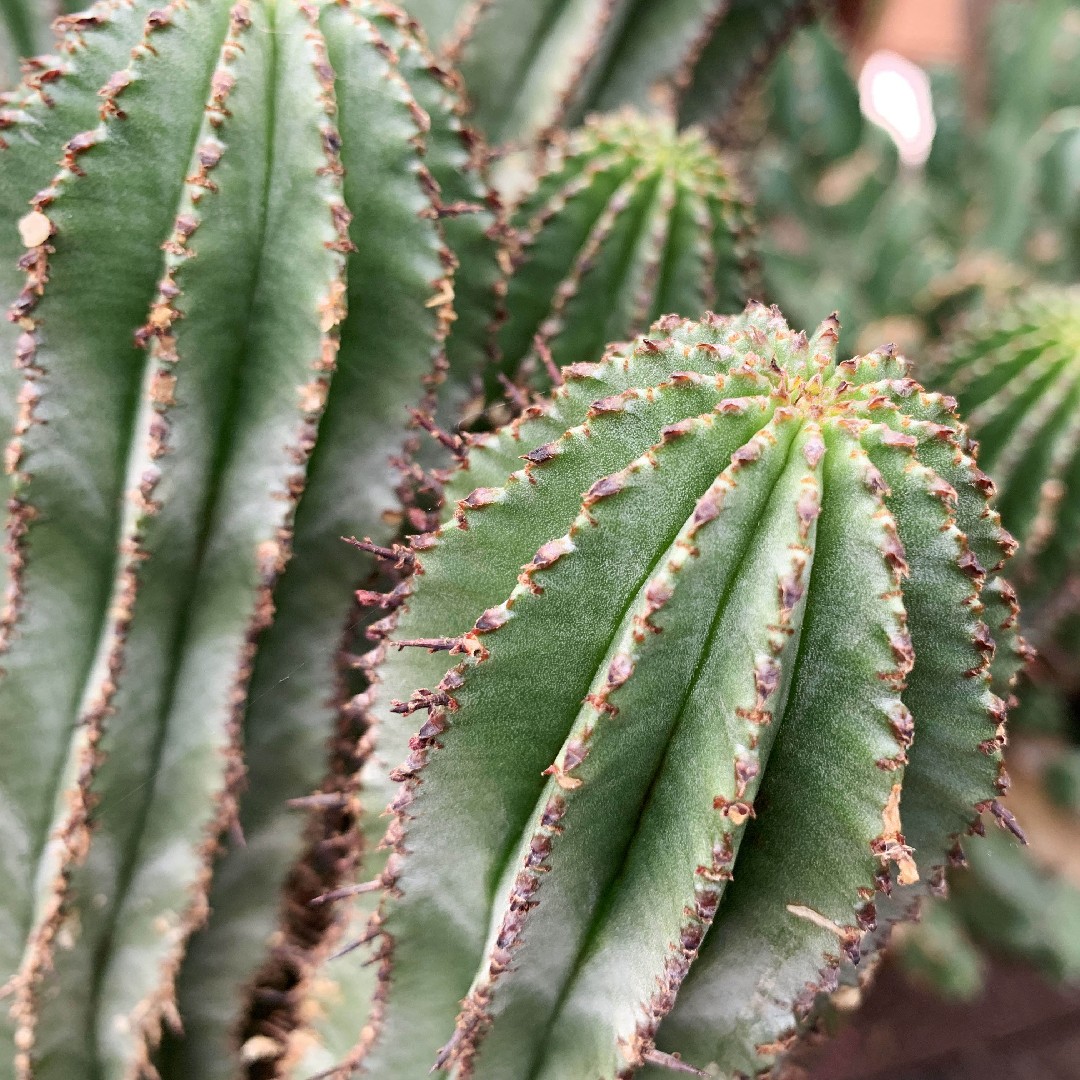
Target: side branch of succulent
(534,66)
(628,221)
(726,644)
(1014,371)
(227,300)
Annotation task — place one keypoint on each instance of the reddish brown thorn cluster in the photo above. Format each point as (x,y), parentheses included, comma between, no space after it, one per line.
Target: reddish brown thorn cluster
(398,556)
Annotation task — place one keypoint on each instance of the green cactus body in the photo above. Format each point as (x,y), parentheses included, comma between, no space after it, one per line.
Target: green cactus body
(723,583)
(630,221)
(1014,372)
(231,292)
(535,65)
(745,42)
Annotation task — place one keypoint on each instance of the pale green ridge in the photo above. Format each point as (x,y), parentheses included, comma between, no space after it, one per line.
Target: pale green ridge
(97,294)
(820,806)
(133,746)
(736,561)
(28,164)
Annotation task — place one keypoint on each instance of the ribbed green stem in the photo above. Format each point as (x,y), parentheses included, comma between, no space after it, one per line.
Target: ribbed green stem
(534,67)
(210,400)
(631,221)
(652,809)
(1014,371)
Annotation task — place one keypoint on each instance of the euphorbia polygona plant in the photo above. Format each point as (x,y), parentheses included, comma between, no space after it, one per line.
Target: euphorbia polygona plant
(534,66)
(231,277)
(728,644)
(698,603)
(628,221)
(1014,370)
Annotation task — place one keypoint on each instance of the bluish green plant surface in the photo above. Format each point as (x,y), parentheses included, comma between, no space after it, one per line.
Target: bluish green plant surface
(231,278)
(731,645)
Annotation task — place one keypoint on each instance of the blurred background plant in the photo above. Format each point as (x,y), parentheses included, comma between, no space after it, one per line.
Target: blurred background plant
(916,166)
(944,183)
(920,172)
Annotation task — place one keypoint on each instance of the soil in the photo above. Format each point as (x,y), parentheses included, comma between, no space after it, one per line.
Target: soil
(1022,1028)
